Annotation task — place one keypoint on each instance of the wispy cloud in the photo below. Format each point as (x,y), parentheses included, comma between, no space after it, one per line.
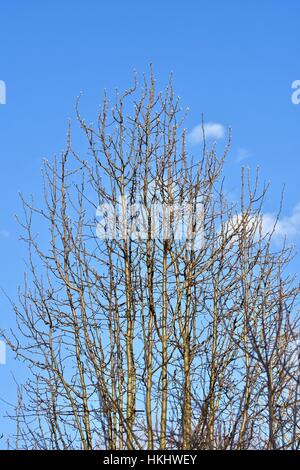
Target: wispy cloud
(242,154)
(4,233)
(210,130)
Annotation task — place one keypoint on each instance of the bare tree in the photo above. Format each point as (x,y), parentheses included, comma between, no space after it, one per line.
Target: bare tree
(170,323)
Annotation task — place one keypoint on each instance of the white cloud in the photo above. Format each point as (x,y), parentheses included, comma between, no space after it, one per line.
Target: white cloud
(287,227)
(234,225)
(212,130)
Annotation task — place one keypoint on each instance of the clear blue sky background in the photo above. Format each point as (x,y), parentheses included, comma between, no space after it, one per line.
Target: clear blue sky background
(233,60)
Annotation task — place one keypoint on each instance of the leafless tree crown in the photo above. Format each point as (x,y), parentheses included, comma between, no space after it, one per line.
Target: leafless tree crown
(149,342)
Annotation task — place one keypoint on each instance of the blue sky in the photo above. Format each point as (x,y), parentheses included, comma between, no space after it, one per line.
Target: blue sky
(233,60)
